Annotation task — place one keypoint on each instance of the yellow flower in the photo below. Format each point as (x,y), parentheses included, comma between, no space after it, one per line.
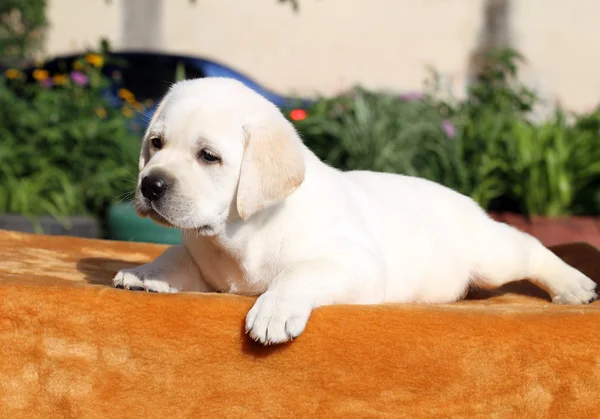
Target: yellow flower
(60,79)
(138,106)
(77,65)
(127,112)
(101,112)
(12,73)
(40,74)
(126,95)
(96,60)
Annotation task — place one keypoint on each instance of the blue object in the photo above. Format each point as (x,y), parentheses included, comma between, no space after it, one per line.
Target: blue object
(149,75)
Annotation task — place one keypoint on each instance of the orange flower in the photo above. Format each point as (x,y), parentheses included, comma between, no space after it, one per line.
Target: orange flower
(40,74)
(298,114)
(127,112)
(126,95)
(12,73)
(60,79)
(96,60)
(138,106)
(101,112)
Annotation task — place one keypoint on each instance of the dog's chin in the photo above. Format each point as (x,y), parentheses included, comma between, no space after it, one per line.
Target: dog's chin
(144,211)
(147,209)
(159,219)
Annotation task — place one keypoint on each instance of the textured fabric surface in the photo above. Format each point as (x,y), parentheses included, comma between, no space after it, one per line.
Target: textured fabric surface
(71,346)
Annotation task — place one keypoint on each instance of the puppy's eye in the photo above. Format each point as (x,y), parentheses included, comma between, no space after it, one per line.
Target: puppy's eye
(156,142)
(209,156)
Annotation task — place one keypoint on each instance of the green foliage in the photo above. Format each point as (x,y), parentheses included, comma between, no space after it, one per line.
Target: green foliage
(507,162)
(365,130)
(22,24)
(498,156)
(495,102)
(64,149)
(554,167)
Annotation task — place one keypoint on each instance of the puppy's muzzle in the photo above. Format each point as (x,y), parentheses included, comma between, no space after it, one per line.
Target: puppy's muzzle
(154,186)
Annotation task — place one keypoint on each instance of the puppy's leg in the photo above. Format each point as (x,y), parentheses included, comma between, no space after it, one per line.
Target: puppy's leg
(172,271)
(505,254)
(281,313)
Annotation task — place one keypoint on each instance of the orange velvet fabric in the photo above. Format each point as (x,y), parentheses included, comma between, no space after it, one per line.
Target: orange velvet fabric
(72,346)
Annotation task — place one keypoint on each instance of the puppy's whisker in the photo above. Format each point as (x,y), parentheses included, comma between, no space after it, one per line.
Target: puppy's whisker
(142,113)
(124,195)
(127,196)
(125,199)
(130,174)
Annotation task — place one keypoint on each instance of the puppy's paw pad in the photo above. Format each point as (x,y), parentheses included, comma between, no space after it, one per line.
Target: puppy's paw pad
(133,280)
(295,325)
(277,319)
(587,283)
(579,298)
(154,285)
(580,290)
(128,280)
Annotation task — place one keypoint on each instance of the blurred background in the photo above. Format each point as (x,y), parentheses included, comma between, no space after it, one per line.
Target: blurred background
(497,99)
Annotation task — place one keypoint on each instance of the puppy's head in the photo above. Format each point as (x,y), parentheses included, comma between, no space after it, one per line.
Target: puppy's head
(215,150)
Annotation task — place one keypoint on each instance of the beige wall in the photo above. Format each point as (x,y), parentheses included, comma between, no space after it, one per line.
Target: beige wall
(79,24)
(561,41)
(333,44)
(330,44)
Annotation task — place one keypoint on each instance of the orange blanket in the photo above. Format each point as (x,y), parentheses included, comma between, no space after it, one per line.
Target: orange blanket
(71,346)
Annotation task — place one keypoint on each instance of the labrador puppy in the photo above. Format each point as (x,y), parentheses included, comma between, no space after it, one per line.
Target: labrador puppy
(261,215)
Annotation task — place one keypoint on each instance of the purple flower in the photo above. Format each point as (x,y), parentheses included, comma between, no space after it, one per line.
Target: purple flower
(47,83)
(449,129)
(79,78)
(411,97)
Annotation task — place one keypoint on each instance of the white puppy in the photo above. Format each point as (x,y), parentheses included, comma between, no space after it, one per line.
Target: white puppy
(261,215)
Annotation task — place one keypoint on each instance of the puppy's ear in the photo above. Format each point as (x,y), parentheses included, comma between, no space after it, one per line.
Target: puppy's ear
(144,153)
(272,166)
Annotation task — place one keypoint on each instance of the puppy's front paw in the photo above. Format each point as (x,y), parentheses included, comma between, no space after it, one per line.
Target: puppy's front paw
(276,318)
(138,280)
(577,290)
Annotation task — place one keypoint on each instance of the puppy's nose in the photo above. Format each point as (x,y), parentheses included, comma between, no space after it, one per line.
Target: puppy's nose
(153,187)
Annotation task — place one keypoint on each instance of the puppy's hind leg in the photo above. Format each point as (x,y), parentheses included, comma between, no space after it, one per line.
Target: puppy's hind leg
(504,254)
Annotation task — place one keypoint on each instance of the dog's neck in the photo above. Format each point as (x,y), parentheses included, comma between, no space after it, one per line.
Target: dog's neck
(235,237)
(238,237)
